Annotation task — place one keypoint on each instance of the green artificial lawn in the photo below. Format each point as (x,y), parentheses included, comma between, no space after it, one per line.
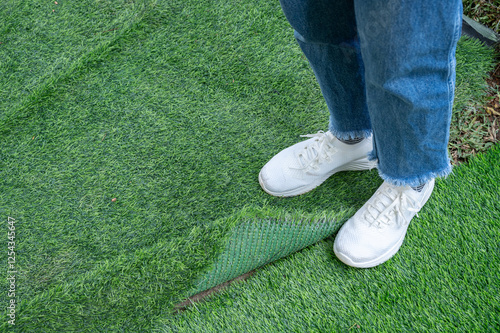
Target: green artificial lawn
(171,108)
(445,278)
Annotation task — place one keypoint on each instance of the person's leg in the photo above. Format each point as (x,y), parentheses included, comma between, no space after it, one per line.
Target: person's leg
(326,33)
(325,30)
(408,49)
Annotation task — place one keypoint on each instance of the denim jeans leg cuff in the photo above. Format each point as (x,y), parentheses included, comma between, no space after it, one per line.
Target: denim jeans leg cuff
(372,156)
(416,180)
(351,134)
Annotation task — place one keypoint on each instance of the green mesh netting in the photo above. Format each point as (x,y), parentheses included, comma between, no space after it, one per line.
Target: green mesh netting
(255,243)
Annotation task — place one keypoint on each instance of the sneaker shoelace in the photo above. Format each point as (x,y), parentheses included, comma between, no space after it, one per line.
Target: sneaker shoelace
(388,207)
(313,155)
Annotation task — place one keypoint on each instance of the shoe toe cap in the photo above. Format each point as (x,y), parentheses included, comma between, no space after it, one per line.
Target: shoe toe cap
(354,250)
(357,256)
(271,180)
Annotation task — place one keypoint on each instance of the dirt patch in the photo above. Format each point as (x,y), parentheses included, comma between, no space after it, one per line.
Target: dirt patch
(493,105)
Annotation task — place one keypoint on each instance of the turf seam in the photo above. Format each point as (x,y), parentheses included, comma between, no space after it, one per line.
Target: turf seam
(45,89)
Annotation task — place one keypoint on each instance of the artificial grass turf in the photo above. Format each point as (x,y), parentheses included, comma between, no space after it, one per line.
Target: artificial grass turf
(173,113)
(44,42)
(445,278)
(161,126)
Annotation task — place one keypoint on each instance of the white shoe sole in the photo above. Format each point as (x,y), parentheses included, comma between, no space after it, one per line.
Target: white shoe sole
(357,165)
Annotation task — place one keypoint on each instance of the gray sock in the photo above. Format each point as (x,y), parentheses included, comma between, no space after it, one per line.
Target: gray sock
(351,141)
(419,187)
(358,140)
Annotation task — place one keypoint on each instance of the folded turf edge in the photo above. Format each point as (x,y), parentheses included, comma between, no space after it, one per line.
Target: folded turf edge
(259,236)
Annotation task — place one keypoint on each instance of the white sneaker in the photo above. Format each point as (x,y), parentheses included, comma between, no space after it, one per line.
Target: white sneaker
(302,167)
(375,233)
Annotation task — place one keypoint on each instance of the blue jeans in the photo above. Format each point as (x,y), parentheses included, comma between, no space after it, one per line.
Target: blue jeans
(386,67)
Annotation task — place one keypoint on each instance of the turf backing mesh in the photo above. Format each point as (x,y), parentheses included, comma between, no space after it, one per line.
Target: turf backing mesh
(255,243)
